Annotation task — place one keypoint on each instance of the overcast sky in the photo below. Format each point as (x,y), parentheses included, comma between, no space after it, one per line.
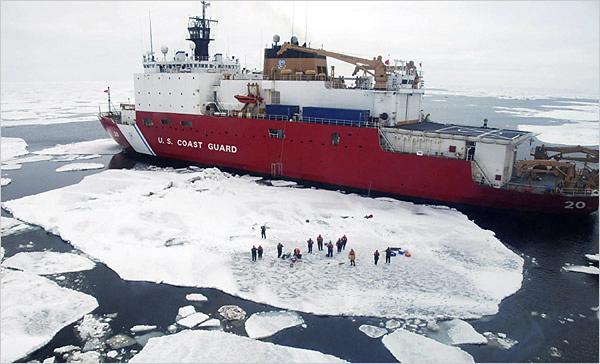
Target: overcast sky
(489,45)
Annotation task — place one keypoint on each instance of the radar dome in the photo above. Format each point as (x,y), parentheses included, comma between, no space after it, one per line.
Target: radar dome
(276,38)
(164,49)
(294,40)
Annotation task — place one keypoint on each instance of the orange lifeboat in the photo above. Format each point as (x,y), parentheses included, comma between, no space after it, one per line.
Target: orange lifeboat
(248,99)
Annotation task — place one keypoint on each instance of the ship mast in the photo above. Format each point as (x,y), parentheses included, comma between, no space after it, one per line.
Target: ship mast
(199,28)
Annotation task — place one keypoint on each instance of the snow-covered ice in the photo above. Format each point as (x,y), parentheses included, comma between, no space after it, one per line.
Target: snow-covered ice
(118,217)
(92,147)
(573,133)
(196,297)
(582,269)
(11,148)
(461,332)
(500,340)
(120,341)
(200,346)
(143,339)
(65,349)
(10,167)
(91,330)
(372,331)
(282,183)
(186,311)
(5,181)
(579,112)
(392,324)
(48,262)
(212,323)
(79,167)
(10,226)
(232,312)
(593,257)
(265,324)
(193,320)
(34,309)
(408,347)
(142,328)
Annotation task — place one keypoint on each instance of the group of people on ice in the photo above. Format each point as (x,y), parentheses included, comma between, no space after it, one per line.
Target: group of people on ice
(340,245)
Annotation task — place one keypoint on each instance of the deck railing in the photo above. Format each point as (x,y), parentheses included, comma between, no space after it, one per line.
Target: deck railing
(523,187)
(353,123)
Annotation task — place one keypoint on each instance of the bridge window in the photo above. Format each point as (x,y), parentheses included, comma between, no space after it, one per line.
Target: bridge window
(148,122)
(165,122)
(335,139)
(276,133)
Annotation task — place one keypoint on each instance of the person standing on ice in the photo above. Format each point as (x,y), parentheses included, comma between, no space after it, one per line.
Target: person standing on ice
(253,250)
(376,256)
(320,242)
(388,255)
(329,249)
(338,245)
(344,241)
(260,251)
(310,245)
(279,250)
(352,257)
(263,231)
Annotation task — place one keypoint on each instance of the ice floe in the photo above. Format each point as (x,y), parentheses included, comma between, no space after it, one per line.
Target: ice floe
(48,262)
(201,346)
(582,269)
(92,331)
(500,340)
(34,309)
(193,320)
(196,297)
(92,147)
(79,167)
(573,133)
(212,323)
(461,332)
(142,328)
(11,148)
(265,324)
(126,217)
(593,257)
(408,347)
(10,167)
(5,181)
(120,341)
(232,313)
(143,339)
(282,183)
(185,311)
(578,112)
(372,331)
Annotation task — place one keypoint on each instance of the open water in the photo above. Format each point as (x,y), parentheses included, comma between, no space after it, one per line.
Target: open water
(546,243)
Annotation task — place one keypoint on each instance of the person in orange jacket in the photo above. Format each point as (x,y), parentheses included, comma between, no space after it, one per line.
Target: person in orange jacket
(352,257)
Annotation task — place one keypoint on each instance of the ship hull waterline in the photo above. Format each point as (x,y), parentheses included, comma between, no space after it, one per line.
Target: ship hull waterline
(306,152)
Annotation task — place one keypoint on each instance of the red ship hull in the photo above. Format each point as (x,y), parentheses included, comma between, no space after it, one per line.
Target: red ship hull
(358,161)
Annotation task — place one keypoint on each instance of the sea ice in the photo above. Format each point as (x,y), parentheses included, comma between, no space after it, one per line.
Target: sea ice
(193,319)
(79,167)
(10,167)
(34,309)
(408,347)
(500,340)
(185,311)
(232,312)
(5,181)
(142,328)
(196,297)
(92,147)
(11,148)
(392,324)
(47,262)
(118,217)
(112,354)
(212,323)
(461,332)
(593,257)
(265,324)
(120,341)
(573,133)
(372,331)
(582,269)
(143,339)
(66,349)
(281,183)
(200,346)
(92,327)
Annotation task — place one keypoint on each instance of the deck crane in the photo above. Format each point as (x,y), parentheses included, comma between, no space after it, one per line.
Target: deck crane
(374,67)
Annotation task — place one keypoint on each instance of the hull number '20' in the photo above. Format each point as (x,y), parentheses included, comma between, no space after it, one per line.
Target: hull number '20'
(574,205)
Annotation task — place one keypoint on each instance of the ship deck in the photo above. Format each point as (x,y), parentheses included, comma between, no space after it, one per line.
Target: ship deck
(466,131)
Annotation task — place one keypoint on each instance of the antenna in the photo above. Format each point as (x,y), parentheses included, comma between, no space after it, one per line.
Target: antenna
(305,22)
(293,15)
(151,48)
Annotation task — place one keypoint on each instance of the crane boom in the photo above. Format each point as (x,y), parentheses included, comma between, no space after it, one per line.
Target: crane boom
(376,64)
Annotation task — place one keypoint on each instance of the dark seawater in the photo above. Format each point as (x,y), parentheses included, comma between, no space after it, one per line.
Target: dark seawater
(546,243)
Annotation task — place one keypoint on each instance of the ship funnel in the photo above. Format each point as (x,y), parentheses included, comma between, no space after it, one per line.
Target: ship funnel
(294,40)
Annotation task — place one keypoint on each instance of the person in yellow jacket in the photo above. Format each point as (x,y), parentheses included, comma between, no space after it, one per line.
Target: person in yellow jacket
(352,257)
